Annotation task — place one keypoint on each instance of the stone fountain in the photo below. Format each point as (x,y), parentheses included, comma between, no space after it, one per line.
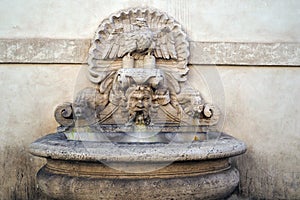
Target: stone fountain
(140,132)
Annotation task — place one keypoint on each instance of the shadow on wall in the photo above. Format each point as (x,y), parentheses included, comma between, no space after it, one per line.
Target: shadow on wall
(18,174)
(259,176)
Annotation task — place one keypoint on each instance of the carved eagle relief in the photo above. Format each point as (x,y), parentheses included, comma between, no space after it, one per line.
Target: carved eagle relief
(138,33)
(140,40)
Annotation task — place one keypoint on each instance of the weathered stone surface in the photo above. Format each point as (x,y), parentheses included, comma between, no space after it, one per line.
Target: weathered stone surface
(41,50)
(200,170)
(57,146)
(226,53)
(216,186)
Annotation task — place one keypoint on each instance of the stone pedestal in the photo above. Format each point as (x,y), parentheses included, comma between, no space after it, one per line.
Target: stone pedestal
(94,170)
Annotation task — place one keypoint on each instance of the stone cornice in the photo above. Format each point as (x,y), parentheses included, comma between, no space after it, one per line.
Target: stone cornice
(75,51)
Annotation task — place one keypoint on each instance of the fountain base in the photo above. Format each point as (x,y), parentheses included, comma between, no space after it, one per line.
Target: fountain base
(95,170)
(171,185)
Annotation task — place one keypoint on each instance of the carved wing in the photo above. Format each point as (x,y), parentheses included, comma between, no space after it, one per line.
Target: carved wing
(165,44)
(118,44)
(113,40)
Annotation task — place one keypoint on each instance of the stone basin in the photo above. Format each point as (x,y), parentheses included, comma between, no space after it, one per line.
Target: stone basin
(138,130)
(108,170)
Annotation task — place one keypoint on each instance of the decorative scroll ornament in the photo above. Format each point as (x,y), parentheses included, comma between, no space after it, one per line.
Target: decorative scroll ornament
(138,63)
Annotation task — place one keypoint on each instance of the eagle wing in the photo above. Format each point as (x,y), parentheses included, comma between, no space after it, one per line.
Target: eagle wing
(165,44)
(118,44)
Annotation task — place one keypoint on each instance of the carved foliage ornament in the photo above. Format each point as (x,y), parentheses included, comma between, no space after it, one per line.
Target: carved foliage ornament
(138,63)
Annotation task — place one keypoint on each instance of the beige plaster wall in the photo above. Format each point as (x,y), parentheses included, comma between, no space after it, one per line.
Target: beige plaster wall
(261,104)
(29,95)
(204,20)
(261,107)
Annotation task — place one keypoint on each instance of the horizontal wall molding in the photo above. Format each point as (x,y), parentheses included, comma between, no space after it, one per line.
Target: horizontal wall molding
(226,53)
(44,50)
(74,51)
